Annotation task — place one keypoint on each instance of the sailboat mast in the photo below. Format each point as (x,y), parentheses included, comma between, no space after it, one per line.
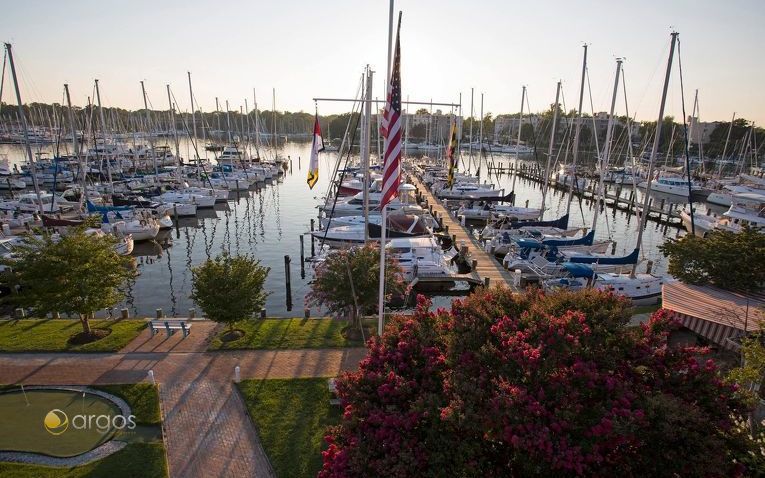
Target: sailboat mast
(103,133)
(607,146)
(75,143)
(193,118)
(217,116)
(175,133)
(727,137)
(549,149)
(518,141)
(655,149)
(148,130)
(577,131)
(472,120)
(273,117)
(228,122)
(367,145)
(480,137)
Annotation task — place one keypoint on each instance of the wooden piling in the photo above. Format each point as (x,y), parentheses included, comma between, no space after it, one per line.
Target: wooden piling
(288,281)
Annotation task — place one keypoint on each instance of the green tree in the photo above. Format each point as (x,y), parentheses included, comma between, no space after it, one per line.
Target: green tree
(73,274)
(723,258)
(422,111)
(229,288)
(348,281)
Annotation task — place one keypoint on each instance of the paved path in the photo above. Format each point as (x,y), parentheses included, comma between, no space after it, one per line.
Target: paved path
(207,430)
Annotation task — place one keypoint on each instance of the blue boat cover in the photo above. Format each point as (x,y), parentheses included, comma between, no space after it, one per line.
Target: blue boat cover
(585,240)
(607,260)
(579,270)
(561,223)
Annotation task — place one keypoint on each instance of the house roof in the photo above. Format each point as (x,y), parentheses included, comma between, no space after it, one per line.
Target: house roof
(745,312)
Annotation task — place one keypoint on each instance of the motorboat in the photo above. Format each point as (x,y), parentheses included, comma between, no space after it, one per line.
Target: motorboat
(399,226)
(187,198)
(672,185)
(487,210)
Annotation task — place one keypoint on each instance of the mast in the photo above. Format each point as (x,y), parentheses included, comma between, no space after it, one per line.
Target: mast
(193,119)
(228,122)
(257,122)
(518,142)
(148,128)
(655,149)
(103,132)
(577,131)
(480,138)
(607,147)
(249,133)
(217,116)
(406,126)
(472,120)
(273,116)
(366,140)
(175,133)
(727,139)
(75,143)
(549,149)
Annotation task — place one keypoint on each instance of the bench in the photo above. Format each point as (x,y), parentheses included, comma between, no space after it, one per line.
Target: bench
(170,326)
(333,400)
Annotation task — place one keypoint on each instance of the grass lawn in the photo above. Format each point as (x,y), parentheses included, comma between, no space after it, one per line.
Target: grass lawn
(136,460)
(143,399)
(291,416)
(287,334)
(49,335)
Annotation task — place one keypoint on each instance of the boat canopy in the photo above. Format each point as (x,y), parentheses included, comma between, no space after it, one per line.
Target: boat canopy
(585,240)
(579,270)
(561,223)
(607,260)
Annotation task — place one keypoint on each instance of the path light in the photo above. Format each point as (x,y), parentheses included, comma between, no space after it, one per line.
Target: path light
(237,379)
(151,377)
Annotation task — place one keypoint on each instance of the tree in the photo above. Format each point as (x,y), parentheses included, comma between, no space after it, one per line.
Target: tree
(723,258)
(73,274)
(348,281)
(229,288)
(422,111)
(508,384)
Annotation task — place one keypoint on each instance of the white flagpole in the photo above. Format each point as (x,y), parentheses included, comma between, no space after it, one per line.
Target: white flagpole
(381,298)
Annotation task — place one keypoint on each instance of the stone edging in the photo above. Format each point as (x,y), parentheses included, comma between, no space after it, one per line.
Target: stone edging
(97,453)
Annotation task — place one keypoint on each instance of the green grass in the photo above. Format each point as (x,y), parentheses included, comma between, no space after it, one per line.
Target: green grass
(137,460)
(143,399)
(291,416)
(49,335)
(287,334)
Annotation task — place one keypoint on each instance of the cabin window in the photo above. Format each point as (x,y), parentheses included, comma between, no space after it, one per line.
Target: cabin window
(621,288)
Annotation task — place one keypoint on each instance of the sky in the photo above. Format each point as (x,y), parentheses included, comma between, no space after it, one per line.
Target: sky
(306,49)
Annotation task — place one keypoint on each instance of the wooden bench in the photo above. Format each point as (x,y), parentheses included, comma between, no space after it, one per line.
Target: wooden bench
(170,326)
(333,400)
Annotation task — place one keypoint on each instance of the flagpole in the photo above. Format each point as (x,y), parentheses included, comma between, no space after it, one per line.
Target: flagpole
(390,45)
(381,298)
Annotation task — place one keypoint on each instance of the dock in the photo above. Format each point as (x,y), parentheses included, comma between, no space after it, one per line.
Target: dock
(487,269)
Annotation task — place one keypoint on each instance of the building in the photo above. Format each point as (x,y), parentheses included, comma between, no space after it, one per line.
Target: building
(717,315)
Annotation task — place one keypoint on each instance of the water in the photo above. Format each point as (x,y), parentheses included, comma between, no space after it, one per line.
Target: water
(267,223)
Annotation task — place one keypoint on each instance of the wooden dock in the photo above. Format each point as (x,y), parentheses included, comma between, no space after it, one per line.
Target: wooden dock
(488,269)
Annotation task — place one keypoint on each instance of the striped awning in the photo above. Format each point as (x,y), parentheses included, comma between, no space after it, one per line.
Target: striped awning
(712,331)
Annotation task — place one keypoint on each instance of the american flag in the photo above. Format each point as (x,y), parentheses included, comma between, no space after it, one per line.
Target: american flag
(391,129)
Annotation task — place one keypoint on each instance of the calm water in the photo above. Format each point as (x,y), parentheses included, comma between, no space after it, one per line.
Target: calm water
(267,223)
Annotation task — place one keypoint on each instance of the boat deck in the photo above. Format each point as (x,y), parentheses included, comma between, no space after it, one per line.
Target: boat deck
(487,267)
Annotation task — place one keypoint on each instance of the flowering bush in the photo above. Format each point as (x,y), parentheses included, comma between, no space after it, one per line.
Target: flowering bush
(531,384)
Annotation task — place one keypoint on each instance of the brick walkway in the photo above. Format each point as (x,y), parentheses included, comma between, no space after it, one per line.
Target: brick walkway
(207,430)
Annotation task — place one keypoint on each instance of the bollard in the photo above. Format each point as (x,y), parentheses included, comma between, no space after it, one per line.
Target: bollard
(474,264)
(454,238)
(159,313)
(192,313)
(302,251)
(463,250)
(313,246)
(288,282)
(237,377)
(151,377)
(527,203)
(613,248)
(486,282)
(648,267)
(298,163)
(445,228)
(125,314)
(307,313)
(262,313)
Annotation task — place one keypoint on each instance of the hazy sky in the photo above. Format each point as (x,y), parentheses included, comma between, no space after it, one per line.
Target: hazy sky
(318,48)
